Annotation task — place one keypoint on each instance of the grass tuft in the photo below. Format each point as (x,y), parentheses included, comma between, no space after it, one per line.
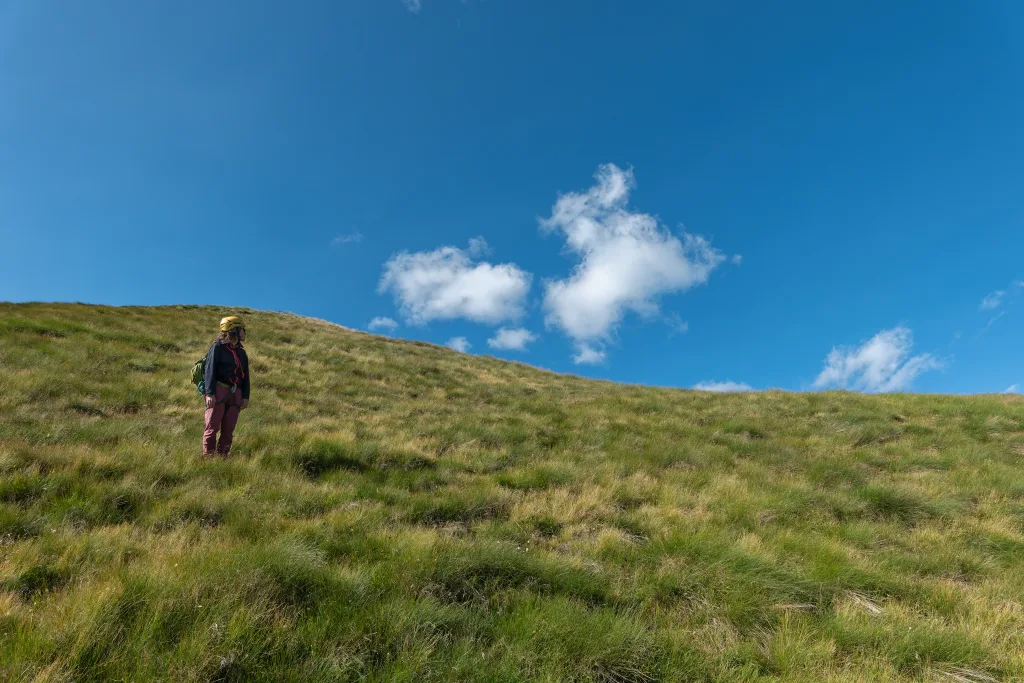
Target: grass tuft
(35,580)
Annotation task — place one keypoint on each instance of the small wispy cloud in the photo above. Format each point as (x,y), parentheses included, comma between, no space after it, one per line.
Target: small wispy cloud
(881,364)
(989,324)
(1001,299)
(588,355)
(413,6)
(460,344)
(992,301)
(478,247)
(351,238)
(511,339)
(722,387)
(677,324)
(1012,389)
(382,323)
(737,259)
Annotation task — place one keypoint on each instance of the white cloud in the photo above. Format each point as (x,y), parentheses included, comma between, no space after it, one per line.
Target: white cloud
(725,386)
(511,339)
(413,6)
(992,301)
(351,238)
(737,259)
(459,344)
(588,355)
(380,323)
(447,283)
(1013,389)
(627,260)
(879,365)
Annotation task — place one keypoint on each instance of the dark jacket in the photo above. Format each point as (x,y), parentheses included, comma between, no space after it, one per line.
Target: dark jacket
(222,367)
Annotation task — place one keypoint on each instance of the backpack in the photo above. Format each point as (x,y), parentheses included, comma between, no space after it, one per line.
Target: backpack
(198,374)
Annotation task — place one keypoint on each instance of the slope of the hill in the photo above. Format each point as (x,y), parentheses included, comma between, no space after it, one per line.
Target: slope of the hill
(395,511)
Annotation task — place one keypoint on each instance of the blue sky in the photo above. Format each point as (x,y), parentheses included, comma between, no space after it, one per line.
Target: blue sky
(791,195)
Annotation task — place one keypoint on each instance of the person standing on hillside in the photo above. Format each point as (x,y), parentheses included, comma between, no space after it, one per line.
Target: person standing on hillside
(227,385)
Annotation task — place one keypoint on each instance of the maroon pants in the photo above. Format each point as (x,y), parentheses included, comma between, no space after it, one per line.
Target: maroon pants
(222,416)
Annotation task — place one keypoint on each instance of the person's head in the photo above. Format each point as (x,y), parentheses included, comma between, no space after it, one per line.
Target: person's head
(232,330)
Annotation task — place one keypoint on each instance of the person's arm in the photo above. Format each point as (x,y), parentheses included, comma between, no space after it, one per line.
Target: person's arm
(210,374)
(245,379)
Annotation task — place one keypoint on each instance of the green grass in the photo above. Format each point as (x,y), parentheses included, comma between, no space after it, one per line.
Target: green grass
(395,511)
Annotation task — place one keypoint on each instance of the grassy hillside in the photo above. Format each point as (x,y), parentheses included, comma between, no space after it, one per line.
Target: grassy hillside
(394,511)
